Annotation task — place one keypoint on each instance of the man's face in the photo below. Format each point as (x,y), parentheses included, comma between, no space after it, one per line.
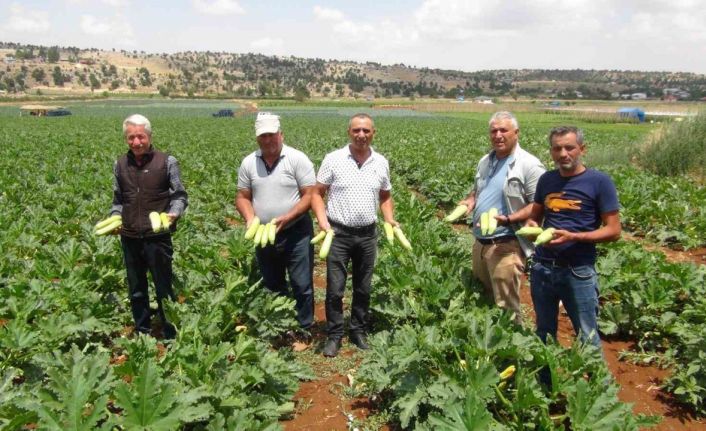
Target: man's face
(138,139)
(503,136)
(361,132)
(566,152)
(270,143)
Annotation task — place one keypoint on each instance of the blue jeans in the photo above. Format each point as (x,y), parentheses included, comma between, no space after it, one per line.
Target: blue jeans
(577,288)
(291,253)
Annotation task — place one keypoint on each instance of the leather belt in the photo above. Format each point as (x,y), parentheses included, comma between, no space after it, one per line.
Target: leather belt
(354,230)
(558,263)
(498,240)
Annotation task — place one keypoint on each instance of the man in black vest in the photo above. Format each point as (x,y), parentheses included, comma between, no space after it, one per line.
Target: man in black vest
(147,180)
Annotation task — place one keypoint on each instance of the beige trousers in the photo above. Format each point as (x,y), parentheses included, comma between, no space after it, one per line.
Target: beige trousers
(499,268)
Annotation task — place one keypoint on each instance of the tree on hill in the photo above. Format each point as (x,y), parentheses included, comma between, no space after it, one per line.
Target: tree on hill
(95,83)
(53,54)
(38,74)
(301,93)
(58,77)
(145,78)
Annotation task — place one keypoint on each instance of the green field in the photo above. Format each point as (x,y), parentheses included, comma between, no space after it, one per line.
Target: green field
(68,361)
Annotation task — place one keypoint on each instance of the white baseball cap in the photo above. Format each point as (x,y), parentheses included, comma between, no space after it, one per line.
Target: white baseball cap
(266,123)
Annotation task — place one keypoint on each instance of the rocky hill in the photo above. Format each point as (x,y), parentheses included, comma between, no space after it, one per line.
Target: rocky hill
(30,69)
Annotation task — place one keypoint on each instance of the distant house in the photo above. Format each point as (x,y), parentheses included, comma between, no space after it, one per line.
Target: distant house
(9,59)
(615,95)
(675,94)
(483,99)
(638,96)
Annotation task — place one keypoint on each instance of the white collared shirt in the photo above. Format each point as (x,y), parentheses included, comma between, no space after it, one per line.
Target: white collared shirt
(354,192)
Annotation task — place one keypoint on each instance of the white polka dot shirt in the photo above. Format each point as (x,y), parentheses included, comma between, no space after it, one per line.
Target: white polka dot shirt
(354,192)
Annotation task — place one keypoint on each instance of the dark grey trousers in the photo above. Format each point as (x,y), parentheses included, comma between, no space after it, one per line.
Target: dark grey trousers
(359,247)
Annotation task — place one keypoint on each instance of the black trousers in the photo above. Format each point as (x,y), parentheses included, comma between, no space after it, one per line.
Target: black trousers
(359,247)
(153,254)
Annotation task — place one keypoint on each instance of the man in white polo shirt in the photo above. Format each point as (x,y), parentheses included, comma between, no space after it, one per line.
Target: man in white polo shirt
(277,182)
(357,180)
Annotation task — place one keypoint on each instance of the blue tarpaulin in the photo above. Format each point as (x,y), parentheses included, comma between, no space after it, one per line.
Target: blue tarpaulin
(635,113)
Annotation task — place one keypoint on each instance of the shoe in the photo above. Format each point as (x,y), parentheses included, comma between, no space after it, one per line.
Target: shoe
(360,340)
(331,347)
(303,336)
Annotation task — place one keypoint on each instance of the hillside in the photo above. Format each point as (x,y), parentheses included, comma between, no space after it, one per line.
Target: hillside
(30,69)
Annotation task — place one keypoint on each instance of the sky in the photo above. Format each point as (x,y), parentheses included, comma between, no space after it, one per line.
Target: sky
(470,35)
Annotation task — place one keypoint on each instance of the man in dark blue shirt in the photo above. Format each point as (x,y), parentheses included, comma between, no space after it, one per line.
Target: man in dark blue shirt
(581,204)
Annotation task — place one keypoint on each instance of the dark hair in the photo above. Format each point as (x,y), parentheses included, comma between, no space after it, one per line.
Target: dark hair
(565,130)
(361,115)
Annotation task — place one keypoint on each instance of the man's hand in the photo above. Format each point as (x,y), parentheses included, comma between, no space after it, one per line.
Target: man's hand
(172,217)
(282,221)
(470,203)
(324,224)
(562,236)
(393,222)
(502,220)
(531,223)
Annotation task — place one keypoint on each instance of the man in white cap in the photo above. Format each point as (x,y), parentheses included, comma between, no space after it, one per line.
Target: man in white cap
(275,183)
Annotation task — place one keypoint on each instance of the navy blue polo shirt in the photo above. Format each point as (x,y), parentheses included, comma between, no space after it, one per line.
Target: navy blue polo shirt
(575,204)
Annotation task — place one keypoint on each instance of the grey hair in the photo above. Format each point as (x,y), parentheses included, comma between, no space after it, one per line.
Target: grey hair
(565,130)
(504,115)
(138,120)
(361,115)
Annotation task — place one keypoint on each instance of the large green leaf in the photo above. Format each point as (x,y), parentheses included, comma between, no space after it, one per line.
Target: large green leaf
(76,393)
(152,403)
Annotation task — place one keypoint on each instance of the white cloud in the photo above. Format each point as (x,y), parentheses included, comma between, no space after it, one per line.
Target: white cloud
(327,14)
(380,36)
(457,20)
(218,7)
(92,25)
(26,20)
(116,29)
(116,3)
(268,45)
(113,3)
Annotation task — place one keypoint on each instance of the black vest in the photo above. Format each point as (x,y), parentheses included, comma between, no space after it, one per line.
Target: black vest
(144,189)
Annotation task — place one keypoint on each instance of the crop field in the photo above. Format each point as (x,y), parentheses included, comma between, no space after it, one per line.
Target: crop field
(69,359)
